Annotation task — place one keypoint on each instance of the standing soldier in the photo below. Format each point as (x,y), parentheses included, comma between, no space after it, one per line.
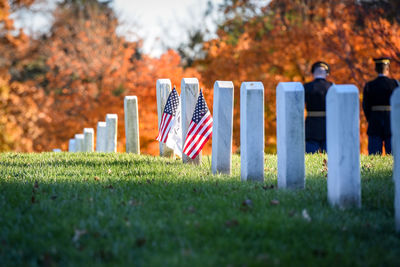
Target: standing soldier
(376,105)
(315,93)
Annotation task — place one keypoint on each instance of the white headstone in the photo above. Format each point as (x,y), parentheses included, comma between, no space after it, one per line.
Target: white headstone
(343,146)
(221,161)
(395,126)
(163,89)
(290,135)
(252,131)
(189,95)
(79,142)
(71,145)
(131,124)
(101,139)
(111,132)
(88,141)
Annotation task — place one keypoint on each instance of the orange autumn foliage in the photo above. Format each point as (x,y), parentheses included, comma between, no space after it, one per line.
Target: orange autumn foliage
(54,86)
(91,69)
(282,42)
(21,103)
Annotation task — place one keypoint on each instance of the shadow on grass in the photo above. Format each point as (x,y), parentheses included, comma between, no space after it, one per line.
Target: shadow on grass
(128,210)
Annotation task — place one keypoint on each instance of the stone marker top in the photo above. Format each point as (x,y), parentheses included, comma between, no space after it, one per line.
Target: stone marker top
(190,81)
(164,81)
(253,85)
(88,130)
(79,136)
(131,97)
(224,84)
(111,116)
(345,88)
(395,98)
(101,124)
(290,86)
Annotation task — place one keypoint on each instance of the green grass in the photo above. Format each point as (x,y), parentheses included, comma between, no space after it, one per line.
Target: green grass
(59,209)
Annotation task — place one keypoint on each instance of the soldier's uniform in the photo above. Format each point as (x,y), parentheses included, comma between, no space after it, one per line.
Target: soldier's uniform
(376,105)
(315,93)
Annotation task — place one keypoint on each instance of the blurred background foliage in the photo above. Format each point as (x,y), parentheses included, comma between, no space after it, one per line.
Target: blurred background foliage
(55,84)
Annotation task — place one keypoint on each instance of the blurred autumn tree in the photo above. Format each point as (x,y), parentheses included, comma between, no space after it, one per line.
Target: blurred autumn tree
(20,103)
(76,74)
(70,78)
(280,40)
(90,69)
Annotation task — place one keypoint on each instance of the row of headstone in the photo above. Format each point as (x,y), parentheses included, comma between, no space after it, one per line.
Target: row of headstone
(222,119)
(342,116)
(252,126)
(189,96)
(342,125)
(82,142)
(106,140)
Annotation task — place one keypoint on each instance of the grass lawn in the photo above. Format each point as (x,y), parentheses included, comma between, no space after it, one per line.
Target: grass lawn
(77,209)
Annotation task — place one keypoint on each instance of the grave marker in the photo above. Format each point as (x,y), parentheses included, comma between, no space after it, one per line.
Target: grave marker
(71,145)
(395,127)
(101,139)
(252,131)
(189,95)
(221,161)
(290,135)
(111,132)
(343,146)
(131,124)
(79,142)
(88,142)
(163,88)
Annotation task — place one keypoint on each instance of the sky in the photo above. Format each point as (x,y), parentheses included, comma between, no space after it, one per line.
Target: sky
(160,23)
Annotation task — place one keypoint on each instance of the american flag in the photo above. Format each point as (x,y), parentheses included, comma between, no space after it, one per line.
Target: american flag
(168,116)
(200,129)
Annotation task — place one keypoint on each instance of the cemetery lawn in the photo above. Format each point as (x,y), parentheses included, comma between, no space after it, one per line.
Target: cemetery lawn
(77,209)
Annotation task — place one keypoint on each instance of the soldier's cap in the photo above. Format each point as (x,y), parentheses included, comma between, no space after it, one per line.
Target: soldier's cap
(320,64)
(382,60)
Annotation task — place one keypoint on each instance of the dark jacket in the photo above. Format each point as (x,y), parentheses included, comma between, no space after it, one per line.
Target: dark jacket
(314,94)
(377,93)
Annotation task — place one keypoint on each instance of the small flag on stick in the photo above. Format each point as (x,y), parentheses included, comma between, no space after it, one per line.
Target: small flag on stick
(168,116)
(200,128)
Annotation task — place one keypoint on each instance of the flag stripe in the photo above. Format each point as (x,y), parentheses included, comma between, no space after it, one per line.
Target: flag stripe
(165,126)
(200,141)
(189,149)
(163,120)
(198,130)
(168,116)
(193,127)
(194,130)
(162,126)
(200,145)
(166,129)
(190,130)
